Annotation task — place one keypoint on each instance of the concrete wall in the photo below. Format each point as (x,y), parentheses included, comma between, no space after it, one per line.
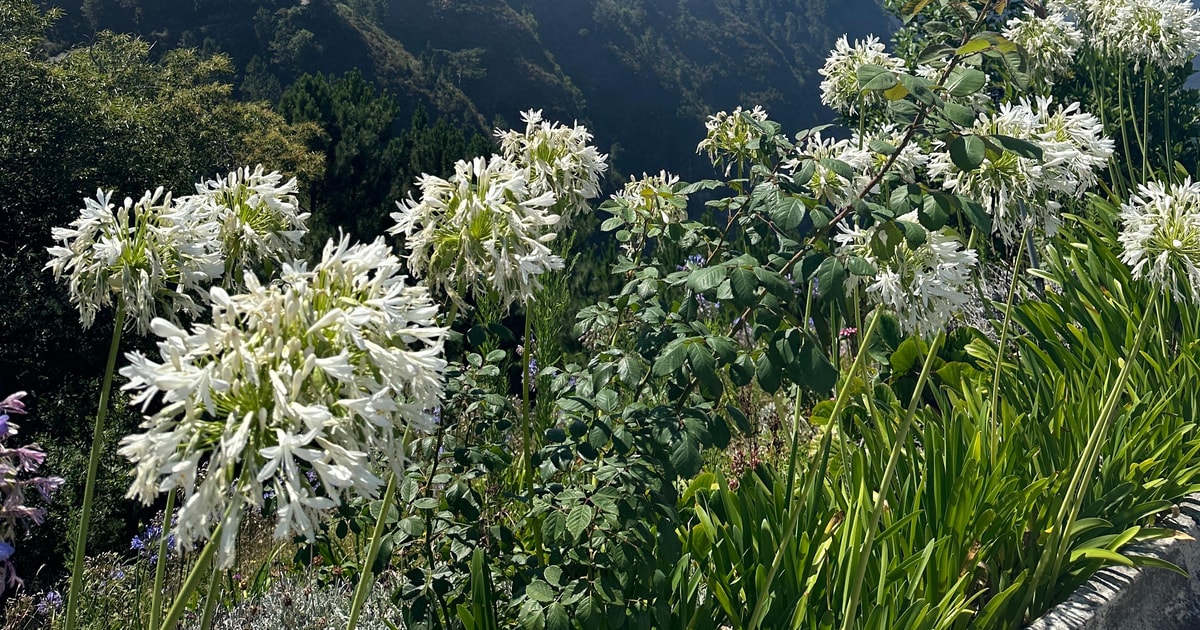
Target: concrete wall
(1125,598)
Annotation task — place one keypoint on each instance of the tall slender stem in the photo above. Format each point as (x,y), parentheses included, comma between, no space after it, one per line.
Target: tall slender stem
(193,579)
(1121,109)
(210,600)
(764,591)
(864,554)
(1146,122)
(1166,91)
(161,564)
(526,429)
(89,488)
(367,573)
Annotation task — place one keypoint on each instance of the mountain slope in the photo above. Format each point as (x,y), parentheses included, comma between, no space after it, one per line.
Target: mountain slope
(643,74)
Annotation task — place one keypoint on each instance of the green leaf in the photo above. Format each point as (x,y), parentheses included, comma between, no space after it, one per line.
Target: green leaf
(706,278)
(1022,148)
(961,115)
(630,370)
(611,224)
(769,375)
(830,277)
(906,356)
(860,266)
(685,458)
(744,284)
(724,347)
(978,44)
(578,520)
(704,366)
(818,374)
(557,618)
(787,212)
(539,591)
(774,282)
(976,214)
(742,371)
(671,359)
(967,152)
(554,526)
(874,77)
(896,92)
(881,146)
(965,81)
(935,211)
(919,88)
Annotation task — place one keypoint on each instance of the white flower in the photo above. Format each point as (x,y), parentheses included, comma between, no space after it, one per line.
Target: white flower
(557,159)
(1073,146)
(323,373)
(259,217)
(906,164)
(734,138)
(152,254)
(648,205)
(1015,189)
(826,183)
(483,229)
(839,88)
(1165,33)
(1049,42)
(925,286)
(1161,236)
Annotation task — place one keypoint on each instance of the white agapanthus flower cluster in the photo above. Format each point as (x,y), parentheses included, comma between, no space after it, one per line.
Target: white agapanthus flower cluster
(1165,33)
(322,373)
(826,183)
(840,89)
(483,230)
(648,205)
(258,215)
(906,164)
(160,253)
(1015,189)
(733,138)
(152,255)
(1049,42)
(557,159)
(925,286)
(1161,236)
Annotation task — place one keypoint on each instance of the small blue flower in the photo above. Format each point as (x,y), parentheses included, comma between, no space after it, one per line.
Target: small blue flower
(6,551)
(50,601)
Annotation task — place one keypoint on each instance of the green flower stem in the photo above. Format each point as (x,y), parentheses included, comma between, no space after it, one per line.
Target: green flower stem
(1121,110)
(366,574)
(1056,547)
(89,488)
(1145,139)
(161,564)
(993,439)
(764,592)
(193,579)
(526,430)
(864,554)
(210,600)
(1170,170)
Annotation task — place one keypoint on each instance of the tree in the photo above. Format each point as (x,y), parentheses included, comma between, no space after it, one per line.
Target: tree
(102,116)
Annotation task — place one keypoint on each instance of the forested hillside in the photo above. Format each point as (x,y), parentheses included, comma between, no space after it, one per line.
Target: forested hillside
(643,75)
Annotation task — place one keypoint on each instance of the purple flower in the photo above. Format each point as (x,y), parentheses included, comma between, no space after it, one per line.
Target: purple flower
(13,403)
(50,602)
(18,467)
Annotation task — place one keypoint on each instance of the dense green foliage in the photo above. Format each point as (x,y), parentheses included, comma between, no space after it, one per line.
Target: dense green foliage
(776,416)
